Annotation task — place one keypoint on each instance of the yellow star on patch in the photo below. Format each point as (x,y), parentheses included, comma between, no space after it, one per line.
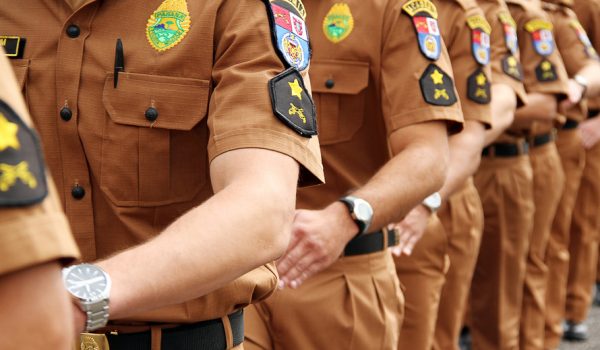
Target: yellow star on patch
(481,79)
(437,77)
(512,61)
(296,89)
(8,134)
(546,65)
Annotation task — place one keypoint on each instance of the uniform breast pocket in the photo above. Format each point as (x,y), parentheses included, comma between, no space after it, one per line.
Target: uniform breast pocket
(339,93)
(154,139)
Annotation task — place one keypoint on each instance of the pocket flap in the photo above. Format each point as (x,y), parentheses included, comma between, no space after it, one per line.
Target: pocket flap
(339,77)
(180,102)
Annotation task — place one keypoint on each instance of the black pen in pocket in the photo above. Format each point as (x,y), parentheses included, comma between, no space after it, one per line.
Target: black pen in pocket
(119,61)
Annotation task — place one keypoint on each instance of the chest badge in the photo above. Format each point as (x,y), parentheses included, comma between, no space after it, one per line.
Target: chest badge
(541,34)
(338,23)
(424,17)
(480,31)
(168,25)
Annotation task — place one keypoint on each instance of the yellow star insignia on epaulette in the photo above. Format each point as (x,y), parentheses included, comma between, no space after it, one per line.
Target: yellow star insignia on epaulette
(481,79)
(437,77)
(296,89)
(8,134)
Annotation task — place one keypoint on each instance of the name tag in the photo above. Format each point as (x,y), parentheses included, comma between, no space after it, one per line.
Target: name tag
(13,45)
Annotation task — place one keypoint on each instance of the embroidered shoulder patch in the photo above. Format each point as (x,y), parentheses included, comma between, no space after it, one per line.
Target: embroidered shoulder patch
(14,46)
(585,40)
(289,32)
(424,17)
(22,177)
(509,26)
(545,71)
(480,42)
(512,67)
(541,34)
(478,87)
(168,25)
(292,104)
(437,87)
(338,23)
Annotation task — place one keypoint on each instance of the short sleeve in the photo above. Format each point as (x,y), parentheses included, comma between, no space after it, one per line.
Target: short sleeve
(569,35)
(240,111)
(34,233)
(542,72)
(406,70)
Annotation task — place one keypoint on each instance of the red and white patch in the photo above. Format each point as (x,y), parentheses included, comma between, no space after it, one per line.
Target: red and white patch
(298,26)
(282,17)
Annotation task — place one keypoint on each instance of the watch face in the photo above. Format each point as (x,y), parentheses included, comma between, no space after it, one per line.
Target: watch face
(363,210)
(87,282)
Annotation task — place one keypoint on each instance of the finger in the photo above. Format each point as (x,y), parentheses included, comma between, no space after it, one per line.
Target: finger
(410,245)
(306,274)
(289,259)
(301,266)
(396,250)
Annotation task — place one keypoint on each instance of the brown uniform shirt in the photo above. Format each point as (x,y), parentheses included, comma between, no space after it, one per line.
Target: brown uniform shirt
(207,80)
(365,74)
(588,12)
(466,33)
(571,44)
(543,68)
(31,234)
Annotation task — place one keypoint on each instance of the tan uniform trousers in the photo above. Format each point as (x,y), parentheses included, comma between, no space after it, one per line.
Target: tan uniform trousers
(572,157)
(583,246)
(355,304)
(548,183)
(462,219)
(506,189)
(422,274)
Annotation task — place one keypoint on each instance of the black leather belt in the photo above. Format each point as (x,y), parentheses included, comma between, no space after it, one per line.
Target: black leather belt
(540,140)
(370,243)
(506,149)
(205,335)
(570,124)
(593,113)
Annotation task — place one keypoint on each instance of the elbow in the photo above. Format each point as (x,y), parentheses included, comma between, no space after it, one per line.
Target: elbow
(438,167)
(278,217)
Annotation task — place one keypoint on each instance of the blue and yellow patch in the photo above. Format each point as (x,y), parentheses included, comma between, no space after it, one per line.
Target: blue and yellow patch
(541,34)
(289,32)
(585,40)
(424,17)
(480,39)
(509,26)
(22,177)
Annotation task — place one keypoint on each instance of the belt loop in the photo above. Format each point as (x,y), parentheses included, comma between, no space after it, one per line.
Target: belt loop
(385,237)
(155,338)
(228,331)
(492,151)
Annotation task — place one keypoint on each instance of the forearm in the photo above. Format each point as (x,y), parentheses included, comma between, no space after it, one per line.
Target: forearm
(503,108)
(591,72)
(416,171)
(465,156)
(539,107)
(241,227)
(36,309)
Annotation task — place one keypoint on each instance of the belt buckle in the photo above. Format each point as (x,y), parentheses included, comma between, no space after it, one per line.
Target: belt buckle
(93,341)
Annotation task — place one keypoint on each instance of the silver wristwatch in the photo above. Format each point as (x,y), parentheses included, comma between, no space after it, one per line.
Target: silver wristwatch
(433,202)
(360,211)
(90,286)
(583,82)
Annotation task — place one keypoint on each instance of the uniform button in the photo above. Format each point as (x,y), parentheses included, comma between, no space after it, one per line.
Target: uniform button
(66,114)
(329,83)
(151,114)
(77,192)
(73,31)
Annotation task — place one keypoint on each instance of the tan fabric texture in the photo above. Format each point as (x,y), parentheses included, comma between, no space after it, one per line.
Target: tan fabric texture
(505,186)
(422,274)
(421,315)
(583,252)
(462,219)
(34,234)
(572,157)
(139,176)
(371,96)
(361,295)
(548,183)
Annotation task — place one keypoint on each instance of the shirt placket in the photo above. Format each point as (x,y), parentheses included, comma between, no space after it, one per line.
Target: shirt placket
(77,189)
